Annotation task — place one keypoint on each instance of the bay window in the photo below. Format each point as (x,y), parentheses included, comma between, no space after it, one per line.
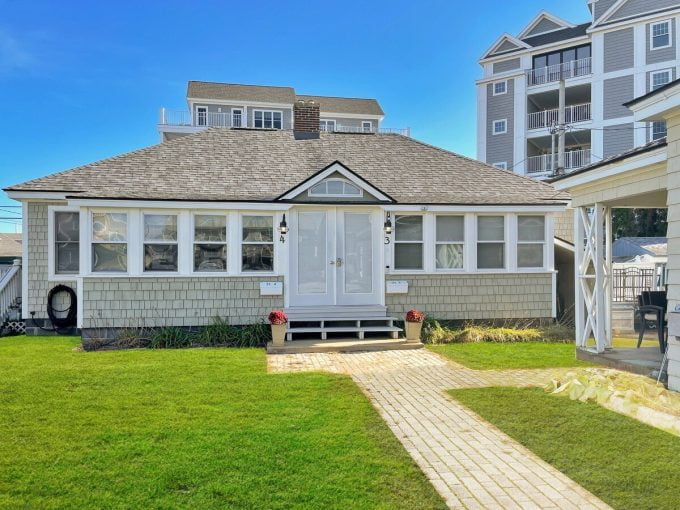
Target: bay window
(257,243)
(210,243)
(66,242)
(530,241)
(491,242)
(160,242)
(449,241)
(109,242)
(408,242)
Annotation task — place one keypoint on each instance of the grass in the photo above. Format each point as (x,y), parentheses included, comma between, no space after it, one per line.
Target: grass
(194,428)
(487,356)
(632,342)
(625,463)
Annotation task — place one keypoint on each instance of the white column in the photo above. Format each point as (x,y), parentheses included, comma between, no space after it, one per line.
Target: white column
(599,329)
(609,235)
(579,304)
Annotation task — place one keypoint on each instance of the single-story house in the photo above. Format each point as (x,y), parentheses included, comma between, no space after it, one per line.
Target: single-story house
(644,177)
(238,222)
(640,250)
(10,250)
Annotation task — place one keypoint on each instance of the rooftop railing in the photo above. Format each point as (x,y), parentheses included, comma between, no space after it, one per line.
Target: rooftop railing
(547,118)
(553,73)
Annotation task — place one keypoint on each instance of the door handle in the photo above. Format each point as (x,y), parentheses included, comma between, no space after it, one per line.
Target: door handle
(337,262)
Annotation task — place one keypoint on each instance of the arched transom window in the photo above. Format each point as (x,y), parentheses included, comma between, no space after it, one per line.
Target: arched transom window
(335,188)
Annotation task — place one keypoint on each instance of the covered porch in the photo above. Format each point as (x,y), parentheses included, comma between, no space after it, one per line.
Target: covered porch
(645,177)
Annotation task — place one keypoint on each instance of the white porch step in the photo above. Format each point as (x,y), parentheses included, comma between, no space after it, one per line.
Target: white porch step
(326,312)
(324,325)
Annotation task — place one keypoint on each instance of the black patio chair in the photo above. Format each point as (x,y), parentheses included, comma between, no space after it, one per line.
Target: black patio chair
(651,308)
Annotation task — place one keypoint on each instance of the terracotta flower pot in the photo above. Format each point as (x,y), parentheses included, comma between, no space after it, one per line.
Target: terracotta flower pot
(413,331)
(278,334)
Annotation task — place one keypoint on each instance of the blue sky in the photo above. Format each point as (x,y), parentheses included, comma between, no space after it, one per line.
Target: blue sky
(82,81)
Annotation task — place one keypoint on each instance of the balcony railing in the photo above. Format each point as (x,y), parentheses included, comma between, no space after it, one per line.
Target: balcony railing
(550,74)
(184,118)
(547,163)
(547,118)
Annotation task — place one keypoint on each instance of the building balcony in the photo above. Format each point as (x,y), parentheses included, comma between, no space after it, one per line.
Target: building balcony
(547,163)
(554,73)
(547,118)
(182,121)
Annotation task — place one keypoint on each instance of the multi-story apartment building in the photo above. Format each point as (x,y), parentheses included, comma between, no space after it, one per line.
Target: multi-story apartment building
(228,105)
(628,48)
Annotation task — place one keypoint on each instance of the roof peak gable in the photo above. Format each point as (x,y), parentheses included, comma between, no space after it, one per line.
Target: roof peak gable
(541,16)
(496,50)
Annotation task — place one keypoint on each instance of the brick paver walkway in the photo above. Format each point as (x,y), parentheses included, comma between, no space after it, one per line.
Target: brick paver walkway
(469,461)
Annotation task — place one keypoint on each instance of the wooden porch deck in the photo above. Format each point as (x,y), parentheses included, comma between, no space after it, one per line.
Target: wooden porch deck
(643,361)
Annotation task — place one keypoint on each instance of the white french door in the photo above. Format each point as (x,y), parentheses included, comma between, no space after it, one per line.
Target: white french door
(335,257)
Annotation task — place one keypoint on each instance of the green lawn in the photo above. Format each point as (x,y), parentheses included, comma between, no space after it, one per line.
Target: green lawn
(625,463)
(487,355)
(195,428)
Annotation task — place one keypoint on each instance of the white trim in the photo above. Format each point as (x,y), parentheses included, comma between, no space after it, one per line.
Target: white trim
(505,37)
(80,303)
(615,7)
(474,208)
(422,242)
(363,126)
(143,241)
(197,116)
(51,254)
(243,116)
(482,113)
(505,242)
(538,18)
(351,115)
(274,243)
(669,23)
(263,111)
(36,195)
(493,128)
(339,168)
(229,102)
(323,127)
(226,244)
(505,88)
(636,18)
(24,261)
(170,204)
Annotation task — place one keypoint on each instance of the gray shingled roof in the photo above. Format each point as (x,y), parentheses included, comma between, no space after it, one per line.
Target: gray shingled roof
(237,92)
(558,35)
(255,165)
(345,104)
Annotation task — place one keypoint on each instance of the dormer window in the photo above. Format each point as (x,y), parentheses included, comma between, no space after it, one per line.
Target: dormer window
(335,188)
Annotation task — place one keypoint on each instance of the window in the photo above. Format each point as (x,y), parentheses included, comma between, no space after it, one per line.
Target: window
(661,35)
(201,116)
(408,242)
(210,243)
(500,126)
(659,78)
(530,241)
(66,242)
(490,242)
(449,240)
(502,165)
(160,242)
(500,87)
(257,246)
(658,130)
(335,188)
(327,125)
(366,126)
(109,242)
(267,119)
(236,117)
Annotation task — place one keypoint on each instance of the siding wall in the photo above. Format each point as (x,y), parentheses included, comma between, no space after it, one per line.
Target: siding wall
(152,302)
(506,65)
(637,7)
(619,50)
(500,147)
(618,139)
(563,225)
(649,78)
(616,92)
(543,26)
(38,284)
(663,54)
(601,6)
(353,123)
(471,297)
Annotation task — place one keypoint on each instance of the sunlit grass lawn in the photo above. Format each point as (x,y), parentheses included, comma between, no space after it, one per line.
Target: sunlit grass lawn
(627,464)
(198,428)
(487,355)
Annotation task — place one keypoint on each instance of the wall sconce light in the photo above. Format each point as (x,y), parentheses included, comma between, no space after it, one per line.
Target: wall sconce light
(283,228)
(388,224)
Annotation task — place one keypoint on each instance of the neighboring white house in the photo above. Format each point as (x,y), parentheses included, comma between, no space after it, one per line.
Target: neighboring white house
(237,222)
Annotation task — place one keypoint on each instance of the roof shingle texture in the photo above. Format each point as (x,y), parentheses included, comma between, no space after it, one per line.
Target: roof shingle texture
(345,105)
(10,245)
(255,165)
(237,92)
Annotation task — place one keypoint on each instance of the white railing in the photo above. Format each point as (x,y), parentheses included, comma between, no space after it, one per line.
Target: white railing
(553,73)
(547,118)
(10,289)
(545,164)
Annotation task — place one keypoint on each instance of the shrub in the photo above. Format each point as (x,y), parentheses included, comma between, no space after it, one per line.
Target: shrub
(220,332)
(436,333)
(132,338)
(170,337)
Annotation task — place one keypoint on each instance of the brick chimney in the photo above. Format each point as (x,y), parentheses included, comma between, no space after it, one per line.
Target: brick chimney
(306,119)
